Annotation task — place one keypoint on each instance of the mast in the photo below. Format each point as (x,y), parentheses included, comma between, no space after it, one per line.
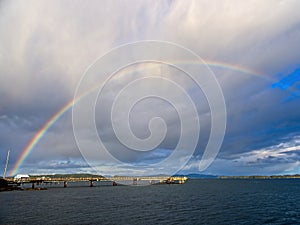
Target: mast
(6,164)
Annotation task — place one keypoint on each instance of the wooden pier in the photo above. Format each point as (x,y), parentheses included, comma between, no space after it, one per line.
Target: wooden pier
(129,180)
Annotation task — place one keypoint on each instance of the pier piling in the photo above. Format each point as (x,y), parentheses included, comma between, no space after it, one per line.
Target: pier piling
(91,183)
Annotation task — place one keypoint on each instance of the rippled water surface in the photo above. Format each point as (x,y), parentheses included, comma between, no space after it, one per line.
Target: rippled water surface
(203,201)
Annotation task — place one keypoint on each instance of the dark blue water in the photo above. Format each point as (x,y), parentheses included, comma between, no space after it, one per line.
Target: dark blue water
(204,201)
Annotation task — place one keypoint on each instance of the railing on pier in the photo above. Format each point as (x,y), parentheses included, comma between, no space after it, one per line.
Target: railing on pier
(115,180)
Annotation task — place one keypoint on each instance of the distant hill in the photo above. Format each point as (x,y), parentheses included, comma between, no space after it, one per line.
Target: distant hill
(295,176)
(197,176)
(190,176)
(84,175)
(76,175)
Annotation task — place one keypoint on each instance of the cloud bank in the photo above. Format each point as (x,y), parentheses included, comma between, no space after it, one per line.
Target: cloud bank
(46,46)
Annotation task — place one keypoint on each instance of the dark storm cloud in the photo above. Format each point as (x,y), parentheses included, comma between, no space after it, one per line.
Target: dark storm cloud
(46,46)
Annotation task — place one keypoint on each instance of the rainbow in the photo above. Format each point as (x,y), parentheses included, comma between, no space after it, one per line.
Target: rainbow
(43,130)
(39,135)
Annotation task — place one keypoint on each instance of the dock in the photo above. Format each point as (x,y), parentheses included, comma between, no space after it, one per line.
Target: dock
(115,181)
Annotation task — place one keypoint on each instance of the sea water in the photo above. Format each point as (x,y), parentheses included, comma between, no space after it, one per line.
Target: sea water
(199,201)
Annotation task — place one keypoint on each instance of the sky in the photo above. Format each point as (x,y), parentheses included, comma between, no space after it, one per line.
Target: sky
(50,54)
